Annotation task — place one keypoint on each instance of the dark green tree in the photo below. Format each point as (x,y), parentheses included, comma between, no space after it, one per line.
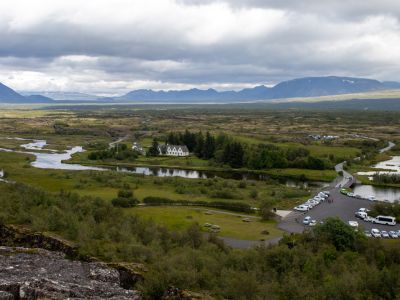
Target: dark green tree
(199,145)
(153,150)
(209,146)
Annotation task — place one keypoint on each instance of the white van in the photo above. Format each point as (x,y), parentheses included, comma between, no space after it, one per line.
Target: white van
(385,220)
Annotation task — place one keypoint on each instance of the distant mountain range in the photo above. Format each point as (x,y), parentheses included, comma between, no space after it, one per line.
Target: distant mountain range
(302,87)
(8,95)
(72,96)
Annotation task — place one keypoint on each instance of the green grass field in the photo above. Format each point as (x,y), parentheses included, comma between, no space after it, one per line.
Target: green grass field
(179,218)
(107,184)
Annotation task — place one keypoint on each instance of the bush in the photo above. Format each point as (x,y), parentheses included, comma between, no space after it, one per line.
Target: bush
(125,194)
(266,210)
(242,184)
(124,202)
(254,194)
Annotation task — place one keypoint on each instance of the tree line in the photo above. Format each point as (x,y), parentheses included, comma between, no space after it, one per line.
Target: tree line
(224,149)
(118,152)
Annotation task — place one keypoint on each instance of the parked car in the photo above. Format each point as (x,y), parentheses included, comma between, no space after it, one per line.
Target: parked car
(350,194)
(361,215)
(313,223)
(327,193)
(393,234)
(371,198)
(362,209)
(307,220)
(323,195)
(384,234)
(302,208)
(312,203)
(367,233)
(376,233)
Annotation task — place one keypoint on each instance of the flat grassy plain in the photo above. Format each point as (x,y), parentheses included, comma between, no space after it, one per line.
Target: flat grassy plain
(106,184)
(179,218)
(64,128)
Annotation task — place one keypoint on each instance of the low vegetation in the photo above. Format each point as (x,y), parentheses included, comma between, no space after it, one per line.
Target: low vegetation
(118,152)
(330,262)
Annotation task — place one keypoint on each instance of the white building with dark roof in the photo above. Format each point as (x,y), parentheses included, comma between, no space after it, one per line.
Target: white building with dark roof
(173,150)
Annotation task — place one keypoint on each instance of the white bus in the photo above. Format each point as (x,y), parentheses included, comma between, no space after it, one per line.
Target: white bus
(385,220)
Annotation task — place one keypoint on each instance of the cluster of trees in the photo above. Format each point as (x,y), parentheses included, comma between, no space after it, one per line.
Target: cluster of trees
(125,199)
(330,262)
(226,150)
(386,178)
(119,152)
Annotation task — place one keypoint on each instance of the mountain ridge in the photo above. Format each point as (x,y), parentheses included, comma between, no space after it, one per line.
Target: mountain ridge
(299,87)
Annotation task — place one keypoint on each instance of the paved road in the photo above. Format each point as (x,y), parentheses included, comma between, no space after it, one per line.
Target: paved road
(344,181)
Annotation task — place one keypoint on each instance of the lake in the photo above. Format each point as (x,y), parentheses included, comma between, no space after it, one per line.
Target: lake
(380,193)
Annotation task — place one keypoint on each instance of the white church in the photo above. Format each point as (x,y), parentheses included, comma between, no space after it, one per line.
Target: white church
(173,150)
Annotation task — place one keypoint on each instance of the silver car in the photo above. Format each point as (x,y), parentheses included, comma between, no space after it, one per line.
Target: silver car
(385,234)
(393,234)
(376,233)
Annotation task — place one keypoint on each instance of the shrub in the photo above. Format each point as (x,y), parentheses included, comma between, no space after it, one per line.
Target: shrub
(242,184)
(125,194)
(124,202)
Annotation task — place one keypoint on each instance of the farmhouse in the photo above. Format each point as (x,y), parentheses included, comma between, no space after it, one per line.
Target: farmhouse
(173,150)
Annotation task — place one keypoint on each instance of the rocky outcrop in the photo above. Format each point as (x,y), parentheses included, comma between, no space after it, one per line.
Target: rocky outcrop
(10,235)
(30,273)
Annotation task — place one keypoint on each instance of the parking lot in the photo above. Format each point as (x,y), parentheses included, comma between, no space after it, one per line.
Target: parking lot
(341,206)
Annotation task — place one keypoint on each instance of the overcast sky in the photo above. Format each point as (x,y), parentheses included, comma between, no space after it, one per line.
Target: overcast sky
(113,46)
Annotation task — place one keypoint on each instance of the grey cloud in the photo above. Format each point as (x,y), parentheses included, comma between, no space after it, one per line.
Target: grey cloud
(355,38)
